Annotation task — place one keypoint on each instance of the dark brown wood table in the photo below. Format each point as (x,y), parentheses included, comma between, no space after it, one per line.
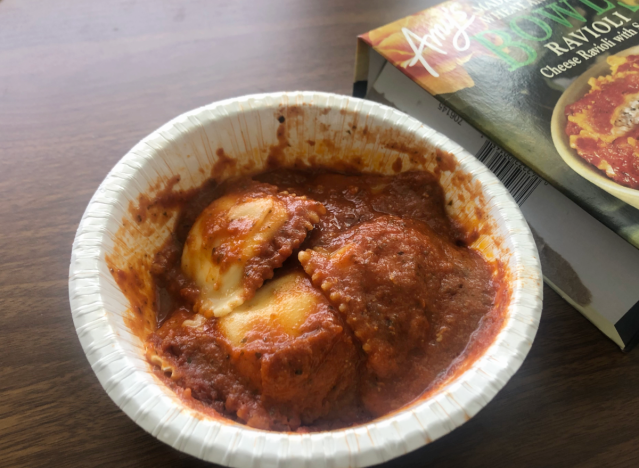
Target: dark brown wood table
(80,83)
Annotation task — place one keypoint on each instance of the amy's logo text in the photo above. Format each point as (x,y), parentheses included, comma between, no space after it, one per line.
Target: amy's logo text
(454,20)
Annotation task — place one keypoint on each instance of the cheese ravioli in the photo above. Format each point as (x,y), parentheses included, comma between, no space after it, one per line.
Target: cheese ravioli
(292,347)
(603,126)
(397,284)
(240,238)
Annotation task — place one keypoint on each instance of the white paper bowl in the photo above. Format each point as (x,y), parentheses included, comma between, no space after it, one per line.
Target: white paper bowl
(339,128)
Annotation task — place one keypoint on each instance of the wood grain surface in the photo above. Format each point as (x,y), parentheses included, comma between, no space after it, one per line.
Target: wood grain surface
(80,83)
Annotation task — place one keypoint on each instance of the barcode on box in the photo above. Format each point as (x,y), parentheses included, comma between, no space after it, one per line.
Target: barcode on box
(518,179)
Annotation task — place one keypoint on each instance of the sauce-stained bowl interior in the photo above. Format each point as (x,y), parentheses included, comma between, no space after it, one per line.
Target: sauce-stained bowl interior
(248,135)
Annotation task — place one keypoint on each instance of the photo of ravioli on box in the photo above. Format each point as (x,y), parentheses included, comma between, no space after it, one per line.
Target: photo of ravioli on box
(546,94)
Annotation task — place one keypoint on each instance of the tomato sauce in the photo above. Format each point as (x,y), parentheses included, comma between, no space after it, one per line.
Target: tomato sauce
(604,108)
(400,305)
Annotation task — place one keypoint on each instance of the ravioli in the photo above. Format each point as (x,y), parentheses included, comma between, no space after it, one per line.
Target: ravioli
(603,126)
(378,306)
(167,367)
(292,347)
(392,281)
(376,275)
(240,238)
(286,344)
(275,314)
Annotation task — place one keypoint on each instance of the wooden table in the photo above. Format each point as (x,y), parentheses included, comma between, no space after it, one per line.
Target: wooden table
(80,83)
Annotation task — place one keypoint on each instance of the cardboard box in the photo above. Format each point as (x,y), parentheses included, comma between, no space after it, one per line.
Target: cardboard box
(586,236)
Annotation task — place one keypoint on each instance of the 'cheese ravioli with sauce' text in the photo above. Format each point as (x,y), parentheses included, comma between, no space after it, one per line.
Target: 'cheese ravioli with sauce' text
(305,301)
